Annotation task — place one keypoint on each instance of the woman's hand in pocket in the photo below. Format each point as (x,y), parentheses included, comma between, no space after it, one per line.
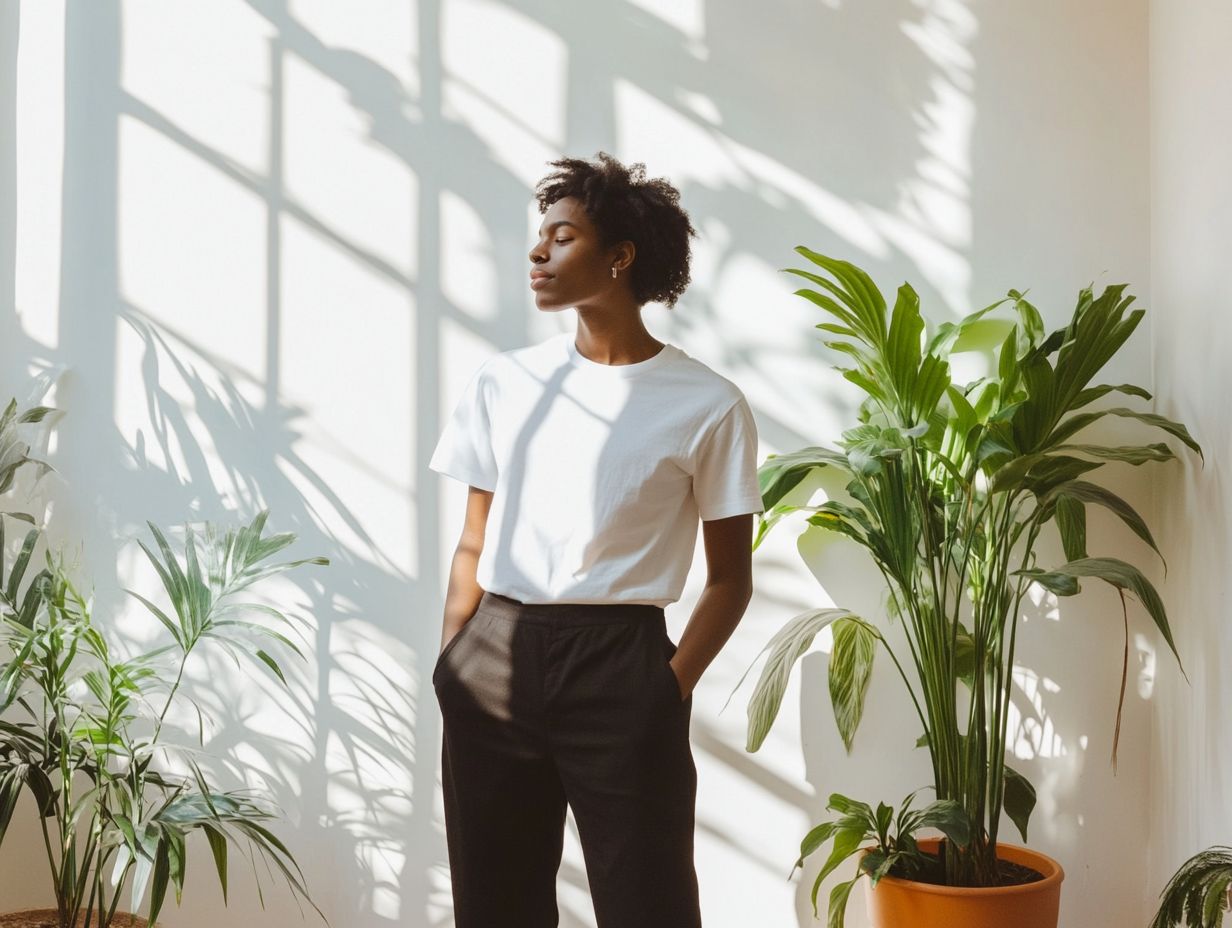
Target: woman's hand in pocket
(685,690)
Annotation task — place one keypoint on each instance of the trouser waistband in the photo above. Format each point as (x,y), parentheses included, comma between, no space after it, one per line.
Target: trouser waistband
(506,607)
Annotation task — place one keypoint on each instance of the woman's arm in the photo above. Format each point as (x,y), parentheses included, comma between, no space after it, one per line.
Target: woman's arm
(729,587)
(463,595)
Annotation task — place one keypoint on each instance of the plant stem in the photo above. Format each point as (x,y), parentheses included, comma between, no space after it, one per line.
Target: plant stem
(171,695)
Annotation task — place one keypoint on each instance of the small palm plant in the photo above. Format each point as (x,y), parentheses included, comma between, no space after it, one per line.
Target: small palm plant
(15,451)
(1198,893)
(949,486)
(78,726)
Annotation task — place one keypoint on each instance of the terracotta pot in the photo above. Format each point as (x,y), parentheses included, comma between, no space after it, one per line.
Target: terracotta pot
(47,918)
(896,902)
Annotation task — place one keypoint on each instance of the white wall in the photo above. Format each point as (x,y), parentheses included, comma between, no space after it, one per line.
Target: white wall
(268,242)
(1191,203)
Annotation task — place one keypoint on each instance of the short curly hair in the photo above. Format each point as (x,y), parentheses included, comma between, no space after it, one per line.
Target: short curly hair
(625,206)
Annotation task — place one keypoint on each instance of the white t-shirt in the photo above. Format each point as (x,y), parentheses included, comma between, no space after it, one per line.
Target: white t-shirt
(599,472)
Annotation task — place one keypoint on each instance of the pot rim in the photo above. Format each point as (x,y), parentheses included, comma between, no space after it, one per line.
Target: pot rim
(1053,875)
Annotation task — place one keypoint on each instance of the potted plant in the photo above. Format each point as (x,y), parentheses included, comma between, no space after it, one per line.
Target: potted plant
(1199,892)
(948,488)
(80,727)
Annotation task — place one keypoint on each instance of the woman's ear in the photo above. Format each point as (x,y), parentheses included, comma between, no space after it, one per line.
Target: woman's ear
(623,255)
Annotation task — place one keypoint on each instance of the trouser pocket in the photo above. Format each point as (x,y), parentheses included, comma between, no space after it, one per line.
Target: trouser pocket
(451,644)
(669,648)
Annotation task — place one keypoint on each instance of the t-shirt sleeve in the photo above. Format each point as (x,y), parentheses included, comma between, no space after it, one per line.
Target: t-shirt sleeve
(725,474)
(464,449)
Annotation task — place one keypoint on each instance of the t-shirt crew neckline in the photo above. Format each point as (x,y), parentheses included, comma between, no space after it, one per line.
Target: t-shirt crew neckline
(615,370)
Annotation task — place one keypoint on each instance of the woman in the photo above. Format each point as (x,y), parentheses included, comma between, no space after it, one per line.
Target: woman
(590,459)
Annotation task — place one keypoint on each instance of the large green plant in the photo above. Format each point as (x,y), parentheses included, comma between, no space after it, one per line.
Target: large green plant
(80,729)
(949,486)
(1198,893)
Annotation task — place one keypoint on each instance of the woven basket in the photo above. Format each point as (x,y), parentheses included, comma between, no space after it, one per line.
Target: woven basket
(47,918)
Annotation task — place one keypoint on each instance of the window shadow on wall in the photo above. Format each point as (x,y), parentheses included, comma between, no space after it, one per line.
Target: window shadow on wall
(814,121)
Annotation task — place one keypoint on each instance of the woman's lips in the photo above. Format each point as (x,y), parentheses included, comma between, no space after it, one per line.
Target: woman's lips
(538,283)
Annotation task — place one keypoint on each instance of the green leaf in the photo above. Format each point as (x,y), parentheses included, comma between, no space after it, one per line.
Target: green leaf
(902,351)
(1091,394)
(847,841)
(218,847)
(1071,517)
(964,665)
(1093,493)
(272,664)
(149,849)
(1127,454)
(1060,583)
(885,816)
(812,841)
(1216,900)
(950,818)
(10,792)
(782,473)
(838,903)
(161,616)
(176,860)
(19,565)
(785,647)
(851,665)
(948,333)
(858,292)
(930,386)
(830,306)
(835,328)
(1119,574)
(1078,422)
(159,890)
(847,806)
(842,309)
(835,517)
(1193,893)
(1030,319)
(1007,363)
(1019,799)
(253,626)
(1052,471)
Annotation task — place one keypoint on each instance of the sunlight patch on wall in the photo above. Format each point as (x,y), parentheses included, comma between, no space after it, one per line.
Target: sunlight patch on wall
(688,16)
(1032,735)
(370,749)
(353,188)
(1144,651)
(1046,603)
(182,414)
(373,44)
(39,165)
(354,442)
(506,82)
(702,106)
(738,290)
(191,245)
(355,775)
(653,131)
(468,260)
(932,223)
(204,68)
(744,874)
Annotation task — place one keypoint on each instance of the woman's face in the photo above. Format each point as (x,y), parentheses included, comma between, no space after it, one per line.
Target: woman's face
(569,265)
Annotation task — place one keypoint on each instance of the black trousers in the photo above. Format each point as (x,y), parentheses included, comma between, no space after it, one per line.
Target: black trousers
(572,703)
